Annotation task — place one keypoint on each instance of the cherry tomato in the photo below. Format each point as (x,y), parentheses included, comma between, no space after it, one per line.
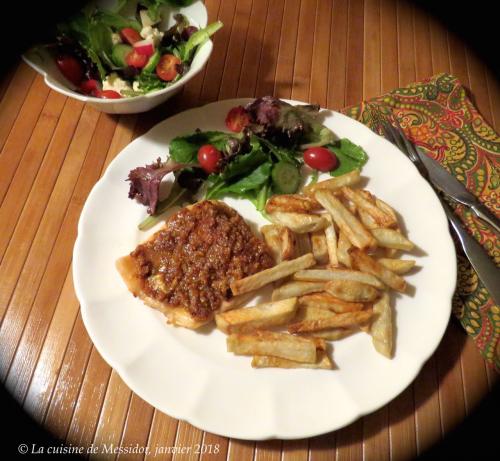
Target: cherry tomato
(89,86)
(237,119)
(320,158)
(167,67)
(135,59)
(71,68)
(209,158)
(107,94)
(130,35)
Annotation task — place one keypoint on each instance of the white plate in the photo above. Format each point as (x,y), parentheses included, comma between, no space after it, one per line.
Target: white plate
(189,375)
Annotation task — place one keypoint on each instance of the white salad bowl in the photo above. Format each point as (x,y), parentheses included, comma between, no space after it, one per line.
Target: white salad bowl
(40,59)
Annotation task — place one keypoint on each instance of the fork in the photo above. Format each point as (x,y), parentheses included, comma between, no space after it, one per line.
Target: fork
(486,269)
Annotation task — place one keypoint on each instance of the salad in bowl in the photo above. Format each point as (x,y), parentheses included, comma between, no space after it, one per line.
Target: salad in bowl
(127,56)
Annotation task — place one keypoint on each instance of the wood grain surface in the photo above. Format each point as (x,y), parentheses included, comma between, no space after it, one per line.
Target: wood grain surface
(54,149)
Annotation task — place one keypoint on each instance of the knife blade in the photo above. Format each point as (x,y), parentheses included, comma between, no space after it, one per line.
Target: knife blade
(456,190)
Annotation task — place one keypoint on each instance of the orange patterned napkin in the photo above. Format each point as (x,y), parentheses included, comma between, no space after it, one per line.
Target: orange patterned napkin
(438,116)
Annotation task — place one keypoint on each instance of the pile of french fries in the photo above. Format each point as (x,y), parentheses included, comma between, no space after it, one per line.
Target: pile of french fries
(336,251)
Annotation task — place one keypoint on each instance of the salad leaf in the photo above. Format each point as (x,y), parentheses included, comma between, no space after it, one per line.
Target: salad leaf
(186,49)
(149,82)
(185,148)
(286,125)
(145,182)
(252,181)
(350,156)
(117,21)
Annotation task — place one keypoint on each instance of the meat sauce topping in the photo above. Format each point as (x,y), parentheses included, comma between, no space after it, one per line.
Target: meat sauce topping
(193,261)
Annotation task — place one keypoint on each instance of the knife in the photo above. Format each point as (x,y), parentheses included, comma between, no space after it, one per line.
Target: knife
(484,266)
(456,190)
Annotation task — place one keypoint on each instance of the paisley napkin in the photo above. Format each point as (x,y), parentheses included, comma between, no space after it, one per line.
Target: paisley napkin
(438,116)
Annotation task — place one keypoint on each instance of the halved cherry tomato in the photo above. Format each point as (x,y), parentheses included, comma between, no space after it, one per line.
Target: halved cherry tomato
(136,59)
(320,158)
(167,67)
(209,158)
(237,119)
(89,86)
(107,94)
(71,68)
(130,35)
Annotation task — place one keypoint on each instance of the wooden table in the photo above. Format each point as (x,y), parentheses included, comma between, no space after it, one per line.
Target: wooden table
(54,149)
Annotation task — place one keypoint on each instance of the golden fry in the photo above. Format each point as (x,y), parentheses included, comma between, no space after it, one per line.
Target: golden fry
(379,216)
(348,179)
(352,291)
(366,263)
(275,344)
(334,334)
(292,203)
(349,319)
(323,362)
(343,250)
(258,317)
(391,238)
(398,266)
(280,240)
(382,327)
(319,246)
(331,243)
(280,271)
(346,221)
(299,222)
(293,289)
(317,275)
(327,301)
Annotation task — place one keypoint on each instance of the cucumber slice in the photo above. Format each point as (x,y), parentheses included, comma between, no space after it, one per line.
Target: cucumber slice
(286,178)
(119,54)
(153,62)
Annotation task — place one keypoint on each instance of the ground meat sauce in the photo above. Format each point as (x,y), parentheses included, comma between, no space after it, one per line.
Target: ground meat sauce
(193,261)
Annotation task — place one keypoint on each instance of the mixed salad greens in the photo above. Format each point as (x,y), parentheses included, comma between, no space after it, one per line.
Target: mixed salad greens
(263,154)
(120,52)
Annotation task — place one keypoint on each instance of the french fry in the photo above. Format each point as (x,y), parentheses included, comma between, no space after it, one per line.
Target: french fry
(318,275)
(323,362)
(367,220)
(236,301)
(274,344)
(280,240)
(366,263)
(280,271)
(258,317)
(333,184)
(382,327)
(352,291)
(346,221)
(312,313)
(343,246)
(293,289)
(398,266)
(327,301)
(387,209)
(379,216)
(299,222)
(347,320)
(303,244)
(391,238)
(292,203)
(319,246)
(335,334)
(331,243)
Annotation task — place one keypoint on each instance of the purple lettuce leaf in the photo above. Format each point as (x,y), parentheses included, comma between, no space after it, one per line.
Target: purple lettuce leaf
(145,182)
